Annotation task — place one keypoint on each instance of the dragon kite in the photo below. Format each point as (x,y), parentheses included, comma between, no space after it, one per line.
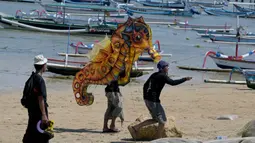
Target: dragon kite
(114,61)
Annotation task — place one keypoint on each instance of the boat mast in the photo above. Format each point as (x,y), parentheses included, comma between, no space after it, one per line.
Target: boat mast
(237,34)
(68,43)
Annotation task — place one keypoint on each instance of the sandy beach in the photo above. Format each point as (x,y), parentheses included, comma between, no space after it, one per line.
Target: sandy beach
(195,108)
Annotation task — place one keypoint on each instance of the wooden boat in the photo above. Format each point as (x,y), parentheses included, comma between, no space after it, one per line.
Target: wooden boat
(51,26)
(223,12)
(159,11)
(232,40)
(168,4)
(84,9)
(228,62)
(59,67)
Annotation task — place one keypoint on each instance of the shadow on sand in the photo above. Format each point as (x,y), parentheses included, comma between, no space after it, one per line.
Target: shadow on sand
(61,130)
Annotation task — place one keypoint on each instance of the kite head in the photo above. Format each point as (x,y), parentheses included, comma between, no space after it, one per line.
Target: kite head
(138,37)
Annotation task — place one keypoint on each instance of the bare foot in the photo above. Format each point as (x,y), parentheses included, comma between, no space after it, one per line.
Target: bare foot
(106,129)
(113,128)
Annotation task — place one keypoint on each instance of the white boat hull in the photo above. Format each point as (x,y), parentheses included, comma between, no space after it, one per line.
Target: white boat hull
(229,64)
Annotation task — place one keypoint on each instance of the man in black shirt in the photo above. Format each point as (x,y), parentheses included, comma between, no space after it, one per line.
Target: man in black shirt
(151,93)
(37,106)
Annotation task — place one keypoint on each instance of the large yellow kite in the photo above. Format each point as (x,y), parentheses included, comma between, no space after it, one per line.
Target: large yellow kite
(112,59)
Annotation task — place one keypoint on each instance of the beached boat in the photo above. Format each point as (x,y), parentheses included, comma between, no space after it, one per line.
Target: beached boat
(72,67)
(232,40)
(84,9)
(228,62)
(223,12)
(168,4)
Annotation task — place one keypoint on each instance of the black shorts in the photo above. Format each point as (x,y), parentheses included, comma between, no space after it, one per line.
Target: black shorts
(157,111)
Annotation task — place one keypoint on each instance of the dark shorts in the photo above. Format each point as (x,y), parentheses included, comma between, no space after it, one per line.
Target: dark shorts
(115,105)
(156,110)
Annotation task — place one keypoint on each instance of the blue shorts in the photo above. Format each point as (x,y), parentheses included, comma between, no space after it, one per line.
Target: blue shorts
(156,110)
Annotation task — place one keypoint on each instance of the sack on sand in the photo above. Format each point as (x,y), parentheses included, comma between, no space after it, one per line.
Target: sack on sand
(149,132)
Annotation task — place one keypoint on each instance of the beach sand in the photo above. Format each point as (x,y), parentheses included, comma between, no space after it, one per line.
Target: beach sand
(195,108)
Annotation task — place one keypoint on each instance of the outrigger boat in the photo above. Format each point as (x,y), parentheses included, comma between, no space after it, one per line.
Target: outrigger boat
(64,67)
(229,62)
(248,74)
(59,18)
(50,25)
(84,9)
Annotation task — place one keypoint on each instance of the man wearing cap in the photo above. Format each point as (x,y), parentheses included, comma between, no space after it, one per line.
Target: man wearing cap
(37,106)
(151,93)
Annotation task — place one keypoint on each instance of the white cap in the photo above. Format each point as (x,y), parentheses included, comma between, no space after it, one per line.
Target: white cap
(40,60)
